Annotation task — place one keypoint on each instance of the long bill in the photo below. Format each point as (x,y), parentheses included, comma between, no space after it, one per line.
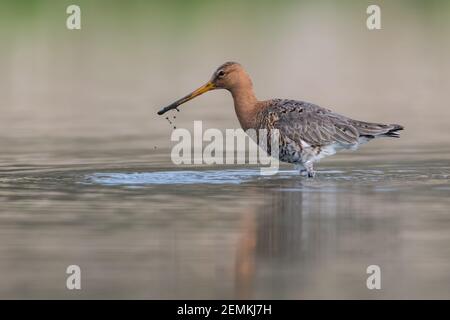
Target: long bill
(205,88)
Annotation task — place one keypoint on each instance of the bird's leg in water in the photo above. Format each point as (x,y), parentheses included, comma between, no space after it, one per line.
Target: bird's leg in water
(309,169)
(301,169)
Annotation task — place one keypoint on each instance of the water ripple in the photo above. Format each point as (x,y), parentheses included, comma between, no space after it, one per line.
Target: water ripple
(239,176)
(175,177)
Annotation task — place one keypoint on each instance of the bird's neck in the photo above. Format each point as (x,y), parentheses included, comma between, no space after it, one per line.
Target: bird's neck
(245,105)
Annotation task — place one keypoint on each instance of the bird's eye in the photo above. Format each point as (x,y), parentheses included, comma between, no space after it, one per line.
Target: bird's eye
(221,73)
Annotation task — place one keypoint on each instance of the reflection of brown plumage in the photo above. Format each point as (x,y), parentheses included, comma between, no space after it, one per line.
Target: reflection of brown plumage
(245,258)
(307,132)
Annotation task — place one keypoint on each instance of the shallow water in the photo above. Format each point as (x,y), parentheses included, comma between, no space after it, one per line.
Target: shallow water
(158,231)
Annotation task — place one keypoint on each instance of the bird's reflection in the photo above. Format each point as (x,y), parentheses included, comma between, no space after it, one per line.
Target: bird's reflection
(296,229)
(245,257)
(276,230)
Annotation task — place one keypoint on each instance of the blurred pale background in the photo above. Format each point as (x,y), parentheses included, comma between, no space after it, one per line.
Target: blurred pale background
(108,79)
(86,100)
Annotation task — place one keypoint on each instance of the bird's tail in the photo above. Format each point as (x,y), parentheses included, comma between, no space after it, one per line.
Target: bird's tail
(394,132)
(374,130)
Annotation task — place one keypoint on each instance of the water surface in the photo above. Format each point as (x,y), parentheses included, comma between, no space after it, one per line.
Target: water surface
(159,231)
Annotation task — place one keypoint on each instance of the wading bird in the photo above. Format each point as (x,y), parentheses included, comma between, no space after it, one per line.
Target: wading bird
(307,132)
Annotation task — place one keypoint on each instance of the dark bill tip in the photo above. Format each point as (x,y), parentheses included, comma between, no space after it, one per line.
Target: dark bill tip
(208,86)
(168,108)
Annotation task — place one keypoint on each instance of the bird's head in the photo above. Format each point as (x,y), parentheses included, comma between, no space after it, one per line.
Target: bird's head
(229,75)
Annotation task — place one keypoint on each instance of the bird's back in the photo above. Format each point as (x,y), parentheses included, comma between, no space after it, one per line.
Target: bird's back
(309,124)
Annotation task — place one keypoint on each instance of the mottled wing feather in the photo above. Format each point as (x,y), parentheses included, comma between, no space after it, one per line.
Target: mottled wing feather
(310,123)
(374,129)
